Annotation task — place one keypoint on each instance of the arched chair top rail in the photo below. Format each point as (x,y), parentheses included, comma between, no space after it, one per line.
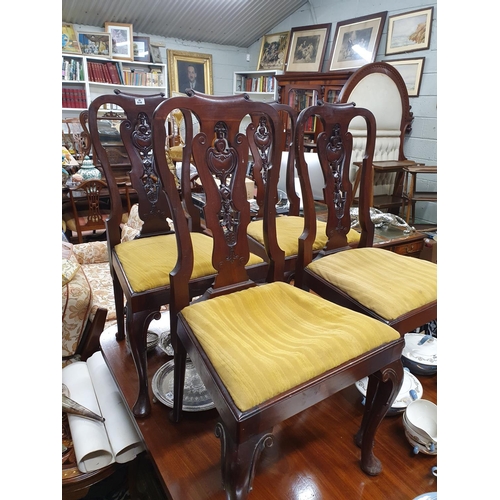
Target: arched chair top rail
(392,73)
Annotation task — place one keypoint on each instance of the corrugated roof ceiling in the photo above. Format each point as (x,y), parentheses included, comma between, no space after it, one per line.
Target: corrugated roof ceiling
(227,22)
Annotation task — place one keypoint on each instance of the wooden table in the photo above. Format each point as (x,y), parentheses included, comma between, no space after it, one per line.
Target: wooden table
(313,455)
(392,202)
(410,193)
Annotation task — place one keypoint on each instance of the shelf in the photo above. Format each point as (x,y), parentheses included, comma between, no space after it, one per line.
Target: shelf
(260,84)
(100,75)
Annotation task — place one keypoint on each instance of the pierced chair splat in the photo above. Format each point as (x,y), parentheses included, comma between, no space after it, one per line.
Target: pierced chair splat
(265,351)
(398,290)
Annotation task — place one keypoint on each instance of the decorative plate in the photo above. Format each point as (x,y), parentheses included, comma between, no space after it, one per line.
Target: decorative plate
(421,348)
(196,396)
(427,496)
(410,390)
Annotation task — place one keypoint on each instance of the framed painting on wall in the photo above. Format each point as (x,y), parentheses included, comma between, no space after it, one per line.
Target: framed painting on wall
(190,70)
(411,70)
(70,42)
(95,44)
(121,40)
(307,47)
(141,49)
(356,42)
(155,52)
(409,32)
(273,51)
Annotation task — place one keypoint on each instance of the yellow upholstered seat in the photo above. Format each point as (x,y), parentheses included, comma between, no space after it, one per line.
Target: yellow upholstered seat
(147,263)
(309,337)
(382,281)
(289,228)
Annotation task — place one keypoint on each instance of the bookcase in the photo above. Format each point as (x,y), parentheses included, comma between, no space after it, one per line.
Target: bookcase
(86,77)
(259,85)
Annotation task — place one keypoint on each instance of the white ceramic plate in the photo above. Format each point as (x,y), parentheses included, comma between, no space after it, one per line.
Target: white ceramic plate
(425,353)
(196,396)
(404,398)
(427,496)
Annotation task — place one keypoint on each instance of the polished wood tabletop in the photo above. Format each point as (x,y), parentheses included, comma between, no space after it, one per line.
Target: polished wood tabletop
(313,456)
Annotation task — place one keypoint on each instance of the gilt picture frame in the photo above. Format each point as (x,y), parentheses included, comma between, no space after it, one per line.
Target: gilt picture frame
(409,32)
(121,40)
(307,46)
(187,68)
(95,43)
(70,44)
(356,42)
(273,51)
(411,70)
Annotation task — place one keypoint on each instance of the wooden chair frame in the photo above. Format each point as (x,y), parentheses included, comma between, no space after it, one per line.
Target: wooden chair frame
(244,434)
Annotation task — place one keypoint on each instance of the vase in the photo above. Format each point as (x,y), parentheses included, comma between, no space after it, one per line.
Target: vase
(88,170)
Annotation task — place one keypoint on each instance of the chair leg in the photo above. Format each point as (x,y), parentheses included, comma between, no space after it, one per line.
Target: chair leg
(137,329)
(383,387)
(180,356)
(119,308)
(238,461)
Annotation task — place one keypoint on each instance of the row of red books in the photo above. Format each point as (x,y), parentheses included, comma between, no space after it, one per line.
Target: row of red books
(74,98)
(105,72)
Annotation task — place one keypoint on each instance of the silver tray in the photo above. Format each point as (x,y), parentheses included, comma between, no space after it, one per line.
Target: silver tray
(196,396)
(165,343)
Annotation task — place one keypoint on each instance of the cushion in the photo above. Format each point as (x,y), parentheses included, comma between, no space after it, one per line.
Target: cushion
(147,262)
(267,339)
(69,268)
(385,282)
(99,279)
(76,307)
(288,230)
(92,252)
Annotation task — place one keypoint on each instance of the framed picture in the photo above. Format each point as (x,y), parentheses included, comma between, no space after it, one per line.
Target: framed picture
(189,70)
(155,53)
(411,71)
(356,41)
(307,47)
(121,40)
(69,40)
(273,51)
(410,31)
(95,44)
(141,49)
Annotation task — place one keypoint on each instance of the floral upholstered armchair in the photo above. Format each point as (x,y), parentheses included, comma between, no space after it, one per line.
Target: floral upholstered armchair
(88,305)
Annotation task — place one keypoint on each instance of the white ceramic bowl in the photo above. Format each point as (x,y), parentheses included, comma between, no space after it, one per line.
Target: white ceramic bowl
(420,424)
(420,354)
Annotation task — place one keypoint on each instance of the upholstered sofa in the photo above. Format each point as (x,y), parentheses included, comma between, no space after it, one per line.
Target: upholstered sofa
(88,305)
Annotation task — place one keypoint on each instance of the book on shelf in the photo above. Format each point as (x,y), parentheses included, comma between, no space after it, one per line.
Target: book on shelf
(73,98)
(99,444)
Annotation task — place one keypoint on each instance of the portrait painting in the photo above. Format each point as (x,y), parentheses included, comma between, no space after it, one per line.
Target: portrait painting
(190,70)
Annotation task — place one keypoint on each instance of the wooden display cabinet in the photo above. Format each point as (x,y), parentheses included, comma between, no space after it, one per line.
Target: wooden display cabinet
(301,90)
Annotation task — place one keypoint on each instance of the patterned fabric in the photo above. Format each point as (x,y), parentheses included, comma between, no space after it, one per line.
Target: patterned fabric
(288,230)
(94,252)
(76,307)
(385,282)
(99,279)
(267,339)
(69,269)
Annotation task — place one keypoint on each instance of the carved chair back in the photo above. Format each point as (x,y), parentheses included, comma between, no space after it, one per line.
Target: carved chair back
(134,122)
(221,154)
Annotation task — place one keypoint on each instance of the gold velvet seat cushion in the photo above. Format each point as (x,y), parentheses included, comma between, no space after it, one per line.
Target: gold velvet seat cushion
(385,282)
(147,262)
(270,338)
(288,230)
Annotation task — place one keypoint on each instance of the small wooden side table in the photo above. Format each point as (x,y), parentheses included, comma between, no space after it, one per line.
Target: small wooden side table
(411,195)
(391,202)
